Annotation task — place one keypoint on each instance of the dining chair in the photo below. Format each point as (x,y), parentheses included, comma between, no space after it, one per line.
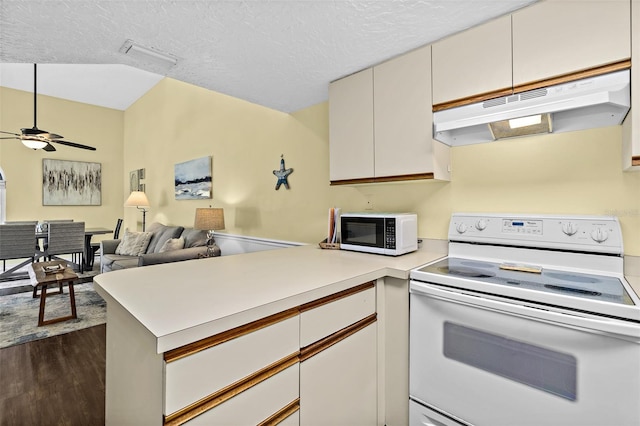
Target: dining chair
(46,227)
(17,241)
(95,247)
(66,238)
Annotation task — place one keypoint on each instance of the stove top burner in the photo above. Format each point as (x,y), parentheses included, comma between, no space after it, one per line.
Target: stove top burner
(464,272)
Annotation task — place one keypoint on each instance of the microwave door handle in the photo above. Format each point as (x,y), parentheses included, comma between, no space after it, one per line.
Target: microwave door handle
(618,329)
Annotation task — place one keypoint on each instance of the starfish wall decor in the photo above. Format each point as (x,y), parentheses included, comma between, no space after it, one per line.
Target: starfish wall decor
(282,174)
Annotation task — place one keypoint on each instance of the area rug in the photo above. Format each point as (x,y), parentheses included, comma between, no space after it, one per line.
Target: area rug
(19,314)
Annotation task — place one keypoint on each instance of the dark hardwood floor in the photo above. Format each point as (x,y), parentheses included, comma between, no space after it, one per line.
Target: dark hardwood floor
(55,381)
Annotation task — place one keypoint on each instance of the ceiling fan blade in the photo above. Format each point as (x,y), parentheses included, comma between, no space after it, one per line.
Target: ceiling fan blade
(53,136)
(49,148)
(14,137)
(74,144)
(9,133)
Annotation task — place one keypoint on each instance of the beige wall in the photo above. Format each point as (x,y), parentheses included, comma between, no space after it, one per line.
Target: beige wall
(571,173)
(176,122)
(82,123)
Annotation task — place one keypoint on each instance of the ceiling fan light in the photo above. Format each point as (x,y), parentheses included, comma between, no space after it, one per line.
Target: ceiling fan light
(33,144)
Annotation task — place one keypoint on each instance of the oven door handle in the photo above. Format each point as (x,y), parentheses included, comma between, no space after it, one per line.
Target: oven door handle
(616,328)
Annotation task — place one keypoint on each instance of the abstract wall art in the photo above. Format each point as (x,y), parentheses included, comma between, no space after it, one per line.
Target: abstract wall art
(193,179)
(135,180)
(71,183)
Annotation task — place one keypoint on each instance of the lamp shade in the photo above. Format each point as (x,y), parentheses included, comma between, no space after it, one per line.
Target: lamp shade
(209,219)
(137,199)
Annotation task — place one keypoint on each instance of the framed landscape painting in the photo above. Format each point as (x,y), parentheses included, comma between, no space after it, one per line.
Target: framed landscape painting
(193,179)
(71,183)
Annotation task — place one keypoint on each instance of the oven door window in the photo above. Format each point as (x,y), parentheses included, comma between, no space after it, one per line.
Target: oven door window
(535,366)
(368,232)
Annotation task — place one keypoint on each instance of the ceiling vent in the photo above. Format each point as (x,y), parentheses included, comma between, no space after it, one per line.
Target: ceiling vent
(582,104)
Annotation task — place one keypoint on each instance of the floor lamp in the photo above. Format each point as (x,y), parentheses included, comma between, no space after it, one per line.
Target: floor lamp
(139,200)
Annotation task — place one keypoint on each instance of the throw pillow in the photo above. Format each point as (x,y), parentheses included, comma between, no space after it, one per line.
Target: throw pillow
(194,237)
(133,243)
(162,234)
(172,244)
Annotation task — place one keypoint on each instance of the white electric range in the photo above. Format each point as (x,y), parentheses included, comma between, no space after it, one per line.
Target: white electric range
(528,320)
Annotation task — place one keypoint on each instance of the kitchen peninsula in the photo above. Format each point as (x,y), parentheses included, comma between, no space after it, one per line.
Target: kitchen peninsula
(275,336)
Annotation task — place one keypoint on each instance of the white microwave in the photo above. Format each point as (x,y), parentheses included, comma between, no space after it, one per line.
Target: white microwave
(391,234)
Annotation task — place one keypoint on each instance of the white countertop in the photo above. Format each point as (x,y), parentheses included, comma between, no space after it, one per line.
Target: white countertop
(635,283)
(186,301)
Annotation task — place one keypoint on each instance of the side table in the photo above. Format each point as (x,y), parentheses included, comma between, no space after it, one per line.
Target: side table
(41,278)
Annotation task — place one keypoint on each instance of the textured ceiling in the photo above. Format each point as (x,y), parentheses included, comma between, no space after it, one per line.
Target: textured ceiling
(280,54)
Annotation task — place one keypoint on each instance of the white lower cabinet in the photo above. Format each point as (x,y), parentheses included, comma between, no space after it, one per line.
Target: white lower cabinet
(339,359)
(193,377)
(338,386)
(312,364)
(256,404)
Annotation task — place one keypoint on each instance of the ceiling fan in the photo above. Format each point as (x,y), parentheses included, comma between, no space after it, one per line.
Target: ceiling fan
(35,138)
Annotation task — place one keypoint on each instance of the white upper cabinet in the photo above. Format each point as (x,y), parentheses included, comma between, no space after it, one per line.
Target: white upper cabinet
(473,62)
(557,37)
(351,127)
(398,144)
(402,111)
(631,126)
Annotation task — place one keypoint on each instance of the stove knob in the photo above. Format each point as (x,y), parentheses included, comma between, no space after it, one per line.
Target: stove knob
(461,228)
(569,228)
(599,235)
(481,225)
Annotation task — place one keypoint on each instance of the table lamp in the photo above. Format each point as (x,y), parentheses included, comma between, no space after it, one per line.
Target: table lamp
(209,219)
(139,200)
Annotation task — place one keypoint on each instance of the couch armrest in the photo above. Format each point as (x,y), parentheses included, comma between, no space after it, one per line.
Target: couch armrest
(171,256)
(109,246)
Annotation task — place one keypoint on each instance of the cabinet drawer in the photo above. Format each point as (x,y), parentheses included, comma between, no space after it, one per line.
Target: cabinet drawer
(343,377)
(256,404)
(200,374)
(325,319)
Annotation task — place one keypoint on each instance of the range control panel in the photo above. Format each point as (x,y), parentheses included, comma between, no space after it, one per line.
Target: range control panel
(600,234)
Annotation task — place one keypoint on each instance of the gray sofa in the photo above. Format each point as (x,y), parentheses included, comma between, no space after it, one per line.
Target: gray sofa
(195,245)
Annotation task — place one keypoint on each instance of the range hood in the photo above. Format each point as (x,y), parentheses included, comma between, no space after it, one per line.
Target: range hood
(581,104)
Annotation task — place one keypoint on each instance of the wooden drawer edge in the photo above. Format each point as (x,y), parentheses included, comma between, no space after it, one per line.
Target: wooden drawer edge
(336,296)
(228,392)
(397,178)
(282,414)
(208,342)
(319,346)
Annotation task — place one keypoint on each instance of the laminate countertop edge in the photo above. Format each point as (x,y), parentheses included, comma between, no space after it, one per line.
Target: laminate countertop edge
(183,302)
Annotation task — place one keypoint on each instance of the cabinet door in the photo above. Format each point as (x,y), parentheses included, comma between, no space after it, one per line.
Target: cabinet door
(556,37)
(473,62)
(631,127)
(402,111)
(351,127)
(338,386)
